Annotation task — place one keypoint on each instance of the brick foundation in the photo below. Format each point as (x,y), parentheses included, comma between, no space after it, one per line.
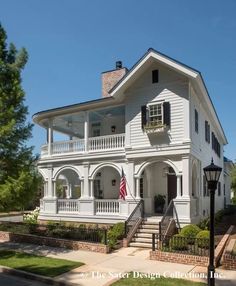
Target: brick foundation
(179,258)
(229,261)
(54,242)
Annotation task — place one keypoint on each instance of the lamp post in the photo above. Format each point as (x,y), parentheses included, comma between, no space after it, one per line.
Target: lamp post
(212,173)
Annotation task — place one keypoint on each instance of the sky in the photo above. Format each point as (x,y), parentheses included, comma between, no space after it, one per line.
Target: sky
(70,42)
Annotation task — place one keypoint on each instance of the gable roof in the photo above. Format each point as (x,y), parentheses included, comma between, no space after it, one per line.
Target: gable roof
(184,69)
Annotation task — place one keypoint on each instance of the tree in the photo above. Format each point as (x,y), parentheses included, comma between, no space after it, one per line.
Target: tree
(17,175)
(233,180)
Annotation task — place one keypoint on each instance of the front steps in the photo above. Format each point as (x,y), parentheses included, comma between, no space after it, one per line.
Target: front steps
(143,236)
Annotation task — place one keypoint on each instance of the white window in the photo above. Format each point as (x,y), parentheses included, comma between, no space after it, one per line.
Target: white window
(155,114)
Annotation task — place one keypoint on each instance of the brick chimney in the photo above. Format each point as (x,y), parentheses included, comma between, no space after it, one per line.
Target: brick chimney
(110,78)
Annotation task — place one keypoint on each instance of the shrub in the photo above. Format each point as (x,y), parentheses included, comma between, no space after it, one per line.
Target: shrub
(204,224)
(190,231)
(219,215)
(203,239)
(32,217)
(178,242)
(115,233)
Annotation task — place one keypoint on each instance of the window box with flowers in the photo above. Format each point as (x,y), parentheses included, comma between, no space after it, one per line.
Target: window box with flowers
(155,117)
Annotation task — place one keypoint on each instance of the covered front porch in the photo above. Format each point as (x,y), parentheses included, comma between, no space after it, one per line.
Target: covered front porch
(91,191)
(84,132)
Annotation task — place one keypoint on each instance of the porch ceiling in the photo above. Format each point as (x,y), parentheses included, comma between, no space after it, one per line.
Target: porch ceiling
(73,124)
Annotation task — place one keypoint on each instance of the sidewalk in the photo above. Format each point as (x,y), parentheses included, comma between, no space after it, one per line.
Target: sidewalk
(102,269)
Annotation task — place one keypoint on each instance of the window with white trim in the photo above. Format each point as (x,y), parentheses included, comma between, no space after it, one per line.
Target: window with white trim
(155,113)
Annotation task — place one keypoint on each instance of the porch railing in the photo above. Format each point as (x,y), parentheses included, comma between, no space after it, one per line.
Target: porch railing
(107,206)
(100,143)
(70,205)
(106,142)
(68,146)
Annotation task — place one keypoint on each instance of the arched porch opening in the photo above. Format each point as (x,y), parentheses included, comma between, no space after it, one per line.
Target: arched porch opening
(157,186)
(106,183)
(68,184)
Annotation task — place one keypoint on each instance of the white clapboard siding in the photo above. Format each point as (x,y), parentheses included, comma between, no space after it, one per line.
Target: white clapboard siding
(137,98)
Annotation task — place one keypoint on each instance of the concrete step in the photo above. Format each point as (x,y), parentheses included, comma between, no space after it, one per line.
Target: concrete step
(143,234)
(141,245)
(142,240)
(146,230)
(150,226)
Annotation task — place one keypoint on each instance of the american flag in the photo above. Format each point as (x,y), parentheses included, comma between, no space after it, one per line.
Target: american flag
(123,191)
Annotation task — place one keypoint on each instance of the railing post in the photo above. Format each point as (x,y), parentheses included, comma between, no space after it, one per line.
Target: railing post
(160,231)
(153,242)
(105,236)
(125,228)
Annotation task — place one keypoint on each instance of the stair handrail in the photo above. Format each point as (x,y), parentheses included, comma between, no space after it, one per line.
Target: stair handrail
(140,207)
(169,213)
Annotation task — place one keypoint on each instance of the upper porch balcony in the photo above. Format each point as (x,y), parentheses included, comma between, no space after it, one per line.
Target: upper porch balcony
(85,132)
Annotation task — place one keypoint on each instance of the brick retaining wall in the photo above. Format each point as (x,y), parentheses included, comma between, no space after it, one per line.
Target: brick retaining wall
(179,258)
(54,242)
(229,260)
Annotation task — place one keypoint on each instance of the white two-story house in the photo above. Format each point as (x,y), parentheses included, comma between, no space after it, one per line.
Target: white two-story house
(155,121)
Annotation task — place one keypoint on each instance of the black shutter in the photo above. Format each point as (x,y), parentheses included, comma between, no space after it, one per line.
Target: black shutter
(166,108)
(143,115)
(209,133)
(206,131)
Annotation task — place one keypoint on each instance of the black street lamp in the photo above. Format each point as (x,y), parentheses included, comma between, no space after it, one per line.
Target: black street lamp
(212,173)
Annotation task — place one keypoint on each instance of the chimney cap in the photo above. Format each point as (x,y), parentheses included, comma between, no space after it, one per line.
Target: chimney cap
(118,65)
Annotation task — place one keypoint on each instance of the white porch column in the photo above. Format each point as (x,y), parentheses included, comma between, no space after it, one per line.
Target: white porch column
(50,136)
(179,177)
(91,189)
(187,186)
(138,188)
(86,130)
(50,192)
(82,188)
(86,181)
(54,191)
(130,181)
(45,189)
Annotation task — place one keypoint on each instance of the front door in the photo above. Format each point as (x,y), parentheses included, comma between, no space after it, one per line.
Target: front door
(171,187)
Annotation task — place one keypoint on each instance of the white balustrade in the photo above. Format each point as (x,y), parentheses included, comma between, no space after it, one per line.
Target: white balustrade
(68,146)
(68,206)
(107,206)
(44,150)
(100,143)
(116,141)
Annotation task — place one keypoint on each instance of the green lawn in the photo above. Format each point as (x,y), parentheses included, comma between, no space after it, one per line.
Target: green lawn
(156,282)
(41,265)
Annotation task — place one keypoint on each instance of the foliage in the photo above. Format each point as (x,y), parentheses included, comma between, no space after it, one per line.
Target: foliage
(219,215)
(160,200)
(203,239)
(115,233)
(190,231)
(204,223)
(32,217)
(18,180)
(41,265)
(233,180)
(234,200)
(179,242)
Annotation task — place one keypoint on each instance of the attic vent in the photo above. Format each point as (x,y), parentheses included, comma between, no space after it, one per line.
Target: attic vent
(155,76)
